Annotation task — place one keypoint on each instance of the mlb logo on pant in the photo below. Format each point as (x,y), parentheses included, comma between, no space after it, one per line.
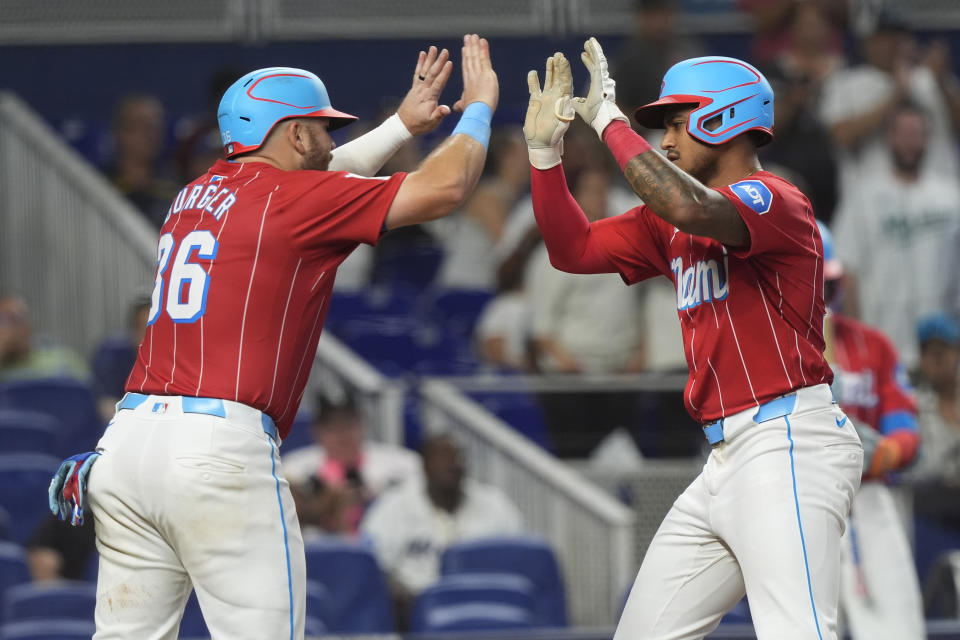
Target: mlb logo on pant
(160,407)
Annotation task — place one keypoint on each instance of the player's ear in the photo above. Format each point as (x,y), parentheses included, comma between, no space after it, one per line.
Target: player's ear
(295,134)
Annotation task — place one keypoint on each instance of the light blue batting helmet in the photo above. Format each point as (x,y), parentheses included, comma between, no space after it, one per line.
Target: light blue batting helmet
(720,87)
(255,103)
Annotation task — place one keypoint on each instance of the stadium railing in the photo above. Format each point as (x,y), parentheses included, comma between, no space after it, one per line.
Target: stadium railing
(70,244)
(382,397)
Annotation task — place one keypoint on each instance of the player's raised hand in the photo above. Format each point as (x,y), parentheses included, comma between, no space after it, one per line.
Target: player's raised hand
(599,107)
(549,112)
(480,82)
(421,110)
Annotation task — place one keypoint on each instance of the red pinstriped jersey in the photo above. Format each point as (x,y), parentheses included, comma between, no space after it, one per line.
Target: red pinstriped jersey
(751,319)
(246,263)
(871,385)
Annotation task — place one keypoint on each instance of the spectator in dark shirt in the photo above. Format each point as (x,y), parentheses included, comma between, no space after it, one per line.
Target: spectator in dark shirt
(59,551)
(138,137)
(114,357)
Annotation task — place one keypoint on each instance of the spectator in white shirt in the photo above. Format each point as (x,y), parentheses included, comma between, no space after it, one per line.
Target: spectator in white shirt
(412,524)
(892,231)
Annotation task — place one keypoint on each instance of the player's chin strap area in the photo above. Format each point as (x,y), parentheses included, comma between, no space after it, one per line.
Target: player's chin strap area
(776,408)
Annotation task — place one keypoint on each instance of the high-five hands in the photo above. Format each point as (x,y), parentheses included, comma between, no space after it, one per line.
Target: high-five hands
(479,79)
(420,110)
(551,109)
(549,112)
(599,108)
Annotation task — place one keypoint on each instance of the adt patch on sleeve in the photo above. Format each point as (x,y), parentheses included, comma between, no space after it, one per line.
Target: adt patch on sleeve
(754,194)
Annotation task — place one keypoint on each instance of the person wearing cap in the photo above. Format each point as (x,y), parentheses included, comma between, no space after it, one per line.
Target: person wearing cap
(879,588)
(938,399)
(186,486)
(742,249)
(345,470)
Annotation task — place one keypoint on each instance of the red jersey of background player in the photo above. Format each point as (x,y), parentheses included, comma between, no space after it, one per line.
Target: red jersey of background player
(246,263)
(871,385)
(752,319)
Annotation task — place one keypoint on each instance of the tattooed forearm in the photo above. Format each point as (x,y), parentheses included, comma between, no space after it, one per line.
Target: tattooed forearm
(684,201)
(667,190)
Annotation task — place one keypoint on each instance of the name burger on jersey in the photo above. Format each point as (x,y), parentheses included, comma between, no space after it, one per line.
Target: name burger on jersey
(703,281)
(207,197)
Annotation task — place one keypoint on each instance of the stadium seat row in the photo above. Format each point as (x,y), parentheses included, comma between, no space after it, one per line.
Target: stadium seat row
(494,583)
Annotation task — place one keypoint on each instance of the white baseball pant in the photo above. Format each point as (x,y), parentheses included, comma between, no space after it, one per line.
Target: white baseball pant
(764,517)
(185,499)
(879,588)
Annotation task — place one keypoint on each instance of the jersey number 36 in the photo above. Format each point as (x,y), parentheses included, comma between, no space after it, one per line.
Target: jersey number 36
(186,293)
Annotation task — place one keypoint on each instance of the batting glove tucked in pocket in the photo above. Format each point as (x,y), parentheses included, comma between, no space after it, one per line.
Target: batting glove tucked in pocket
(69,486)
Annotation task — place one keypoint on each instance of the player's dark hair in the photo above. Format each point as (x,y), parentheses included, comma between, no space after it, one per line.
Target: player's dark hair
(758,138)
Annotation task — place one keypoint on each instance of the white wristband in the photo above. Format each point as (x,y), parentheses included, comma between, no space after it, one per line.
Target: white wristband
(368,153)
(545,157)
(607,113)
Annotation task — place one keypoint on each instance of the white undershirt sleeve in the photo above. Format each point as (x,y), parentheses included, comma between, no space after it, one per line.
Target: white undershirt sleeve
(368,153)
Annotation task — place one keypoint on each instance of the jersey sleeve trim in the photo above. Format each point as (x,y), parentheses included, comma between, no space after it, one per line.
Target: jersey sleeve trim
(376,232)
(759,203)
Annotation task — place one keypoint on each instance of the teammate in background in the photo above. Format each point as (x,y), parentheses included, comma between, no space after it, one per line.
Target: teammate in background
(879,589)
(766,514)
(188,490)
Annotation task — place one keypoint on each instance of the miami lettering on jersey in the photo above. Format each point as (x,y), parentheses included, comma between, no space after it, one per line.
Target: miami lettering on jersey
(754,194)
(205,197)
(703,281)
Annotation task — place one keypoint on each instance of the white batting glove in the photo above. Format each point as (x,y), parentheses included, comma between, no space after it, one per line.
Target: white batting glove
(549,112)
(599,108)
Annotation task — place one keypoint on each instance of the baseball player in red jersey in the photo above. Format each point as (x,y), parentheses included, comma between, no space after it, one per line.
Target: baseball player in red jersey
(766,514)
(879,589)
(187,489)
